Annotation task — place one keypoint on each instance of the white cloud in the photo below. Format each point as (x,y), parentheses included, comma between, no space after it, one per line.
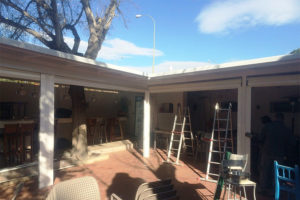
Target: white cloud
(169,66)
(224,16)
(115,49)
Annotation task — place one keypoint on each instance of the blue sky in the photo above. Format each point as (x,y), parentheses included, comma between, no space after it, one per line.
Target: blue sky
(194,33)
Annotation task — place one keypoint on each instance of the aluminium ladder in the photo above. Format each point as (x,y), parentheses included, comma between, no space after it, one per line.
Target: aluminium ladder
(181,134)
(188,137)
(221,141)
(177,136)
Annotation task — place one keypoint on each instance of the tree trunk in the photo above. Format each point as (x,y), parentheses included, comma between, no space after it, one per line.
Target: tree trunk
(79,134)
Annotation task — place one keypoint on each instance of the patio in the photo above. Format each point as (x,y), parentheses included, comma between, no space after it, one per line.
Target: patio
(123,172)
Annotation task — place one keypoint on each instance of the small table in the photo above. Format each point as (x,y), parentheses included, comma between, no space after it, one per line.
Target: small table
(165,133)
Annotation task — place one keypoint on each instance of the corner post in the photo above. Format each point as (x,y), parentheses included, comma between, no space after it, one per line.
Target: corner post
(146,132)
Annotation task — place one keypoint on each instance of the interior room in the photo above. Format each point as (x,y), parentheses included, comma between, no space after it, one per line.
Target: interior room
(111,116)
(267,102)
(19,121)
(201,105)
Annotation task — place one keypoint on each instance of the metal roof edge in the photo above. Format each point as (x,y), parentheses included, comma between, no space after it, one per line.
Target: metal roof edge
(228,65)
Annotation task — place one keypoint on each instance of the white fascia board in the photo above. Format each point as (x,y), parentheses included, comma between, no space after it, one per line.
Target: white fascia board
(237,65)
(94,84)
(267,81)
(12,73)
(71,57)
(197,86)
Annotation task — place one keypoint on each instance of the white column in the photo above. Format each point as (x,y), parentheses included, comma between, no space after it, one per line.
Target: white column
(240,120)
(146,132)
(244,120)
(46,134)
(247,143)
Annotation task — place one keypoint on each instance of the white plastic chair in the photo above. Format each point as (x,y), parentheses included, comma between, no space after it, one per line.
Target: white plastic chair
(85,188)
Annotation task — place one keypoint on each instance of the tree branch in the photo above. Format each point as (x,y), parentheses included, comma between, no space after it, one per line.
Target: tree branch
(89,15)
(57,27)
(28,30)
(79,17)
(15,33)
(101,28)
(44,5)
(76,37)
(26,14)
(110,13)
(43,23)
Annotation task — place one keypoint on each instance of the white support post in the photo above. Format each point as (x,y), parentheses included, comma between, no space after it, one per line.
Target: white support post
(244,120)
(46,134)
(146,132)
(240,121)
(248,125)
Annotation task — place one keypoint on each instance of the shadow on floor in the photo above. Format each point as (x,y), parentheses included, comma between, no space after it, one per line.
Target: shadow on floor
(125,186)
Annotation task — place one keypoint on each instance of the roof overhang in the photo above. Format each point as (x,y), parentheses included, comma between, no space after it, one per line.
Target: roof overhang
(32,58)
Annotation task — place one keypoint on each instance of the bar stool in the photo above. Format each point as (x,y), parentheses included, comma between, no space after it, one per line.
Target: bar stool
(13,143)
(91,130)
(27,131)
(113,125)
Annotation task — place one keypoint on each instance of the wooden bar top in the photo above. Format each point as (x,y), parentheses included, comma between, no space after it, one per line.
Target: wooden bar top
(21,121)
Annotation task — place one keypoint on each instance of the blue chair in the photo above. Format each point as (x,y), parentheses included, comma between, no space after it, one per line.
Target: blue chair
(286,179)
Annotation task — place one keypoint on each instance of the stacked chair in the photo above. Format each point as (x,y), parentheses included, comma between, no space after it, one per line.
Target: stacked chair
(159,190)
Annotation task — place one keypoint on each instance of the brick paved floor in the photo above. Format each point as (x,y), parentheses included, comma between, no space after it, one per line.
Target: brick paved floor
(123,172)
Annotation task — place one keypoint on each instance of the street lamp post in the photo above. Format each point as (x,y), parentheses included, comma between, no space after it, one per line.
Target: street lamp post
(138,16)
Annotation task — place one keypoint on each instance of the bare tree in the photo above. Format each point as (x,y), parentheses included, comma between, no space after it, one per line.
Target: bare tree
(49,21)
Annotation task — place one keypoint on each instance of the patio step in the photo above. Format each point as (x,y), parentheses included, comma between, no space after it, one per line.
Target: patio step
(111,147)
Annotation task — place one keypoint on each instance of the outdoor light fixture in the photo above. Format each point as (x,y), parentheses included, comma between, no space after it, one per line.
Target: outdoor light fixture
(139,16)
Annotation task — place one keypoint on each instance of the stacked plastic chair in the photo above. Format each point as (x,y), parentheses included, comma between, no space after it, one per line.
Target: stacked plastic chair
(158,190)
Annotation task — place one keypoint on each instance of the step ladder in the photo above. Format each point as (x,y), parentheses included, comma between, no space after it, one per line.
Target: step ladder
(188,136)
(221,141)
(181,135)
(177,136)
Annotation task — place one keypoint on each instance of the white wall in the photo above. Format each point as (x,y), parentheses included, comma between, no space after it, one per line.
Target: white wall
(164,121)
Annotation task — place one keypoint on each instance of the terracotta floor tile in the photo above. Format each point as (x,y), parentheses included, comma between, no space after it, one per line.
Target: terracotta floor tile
(124,171)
